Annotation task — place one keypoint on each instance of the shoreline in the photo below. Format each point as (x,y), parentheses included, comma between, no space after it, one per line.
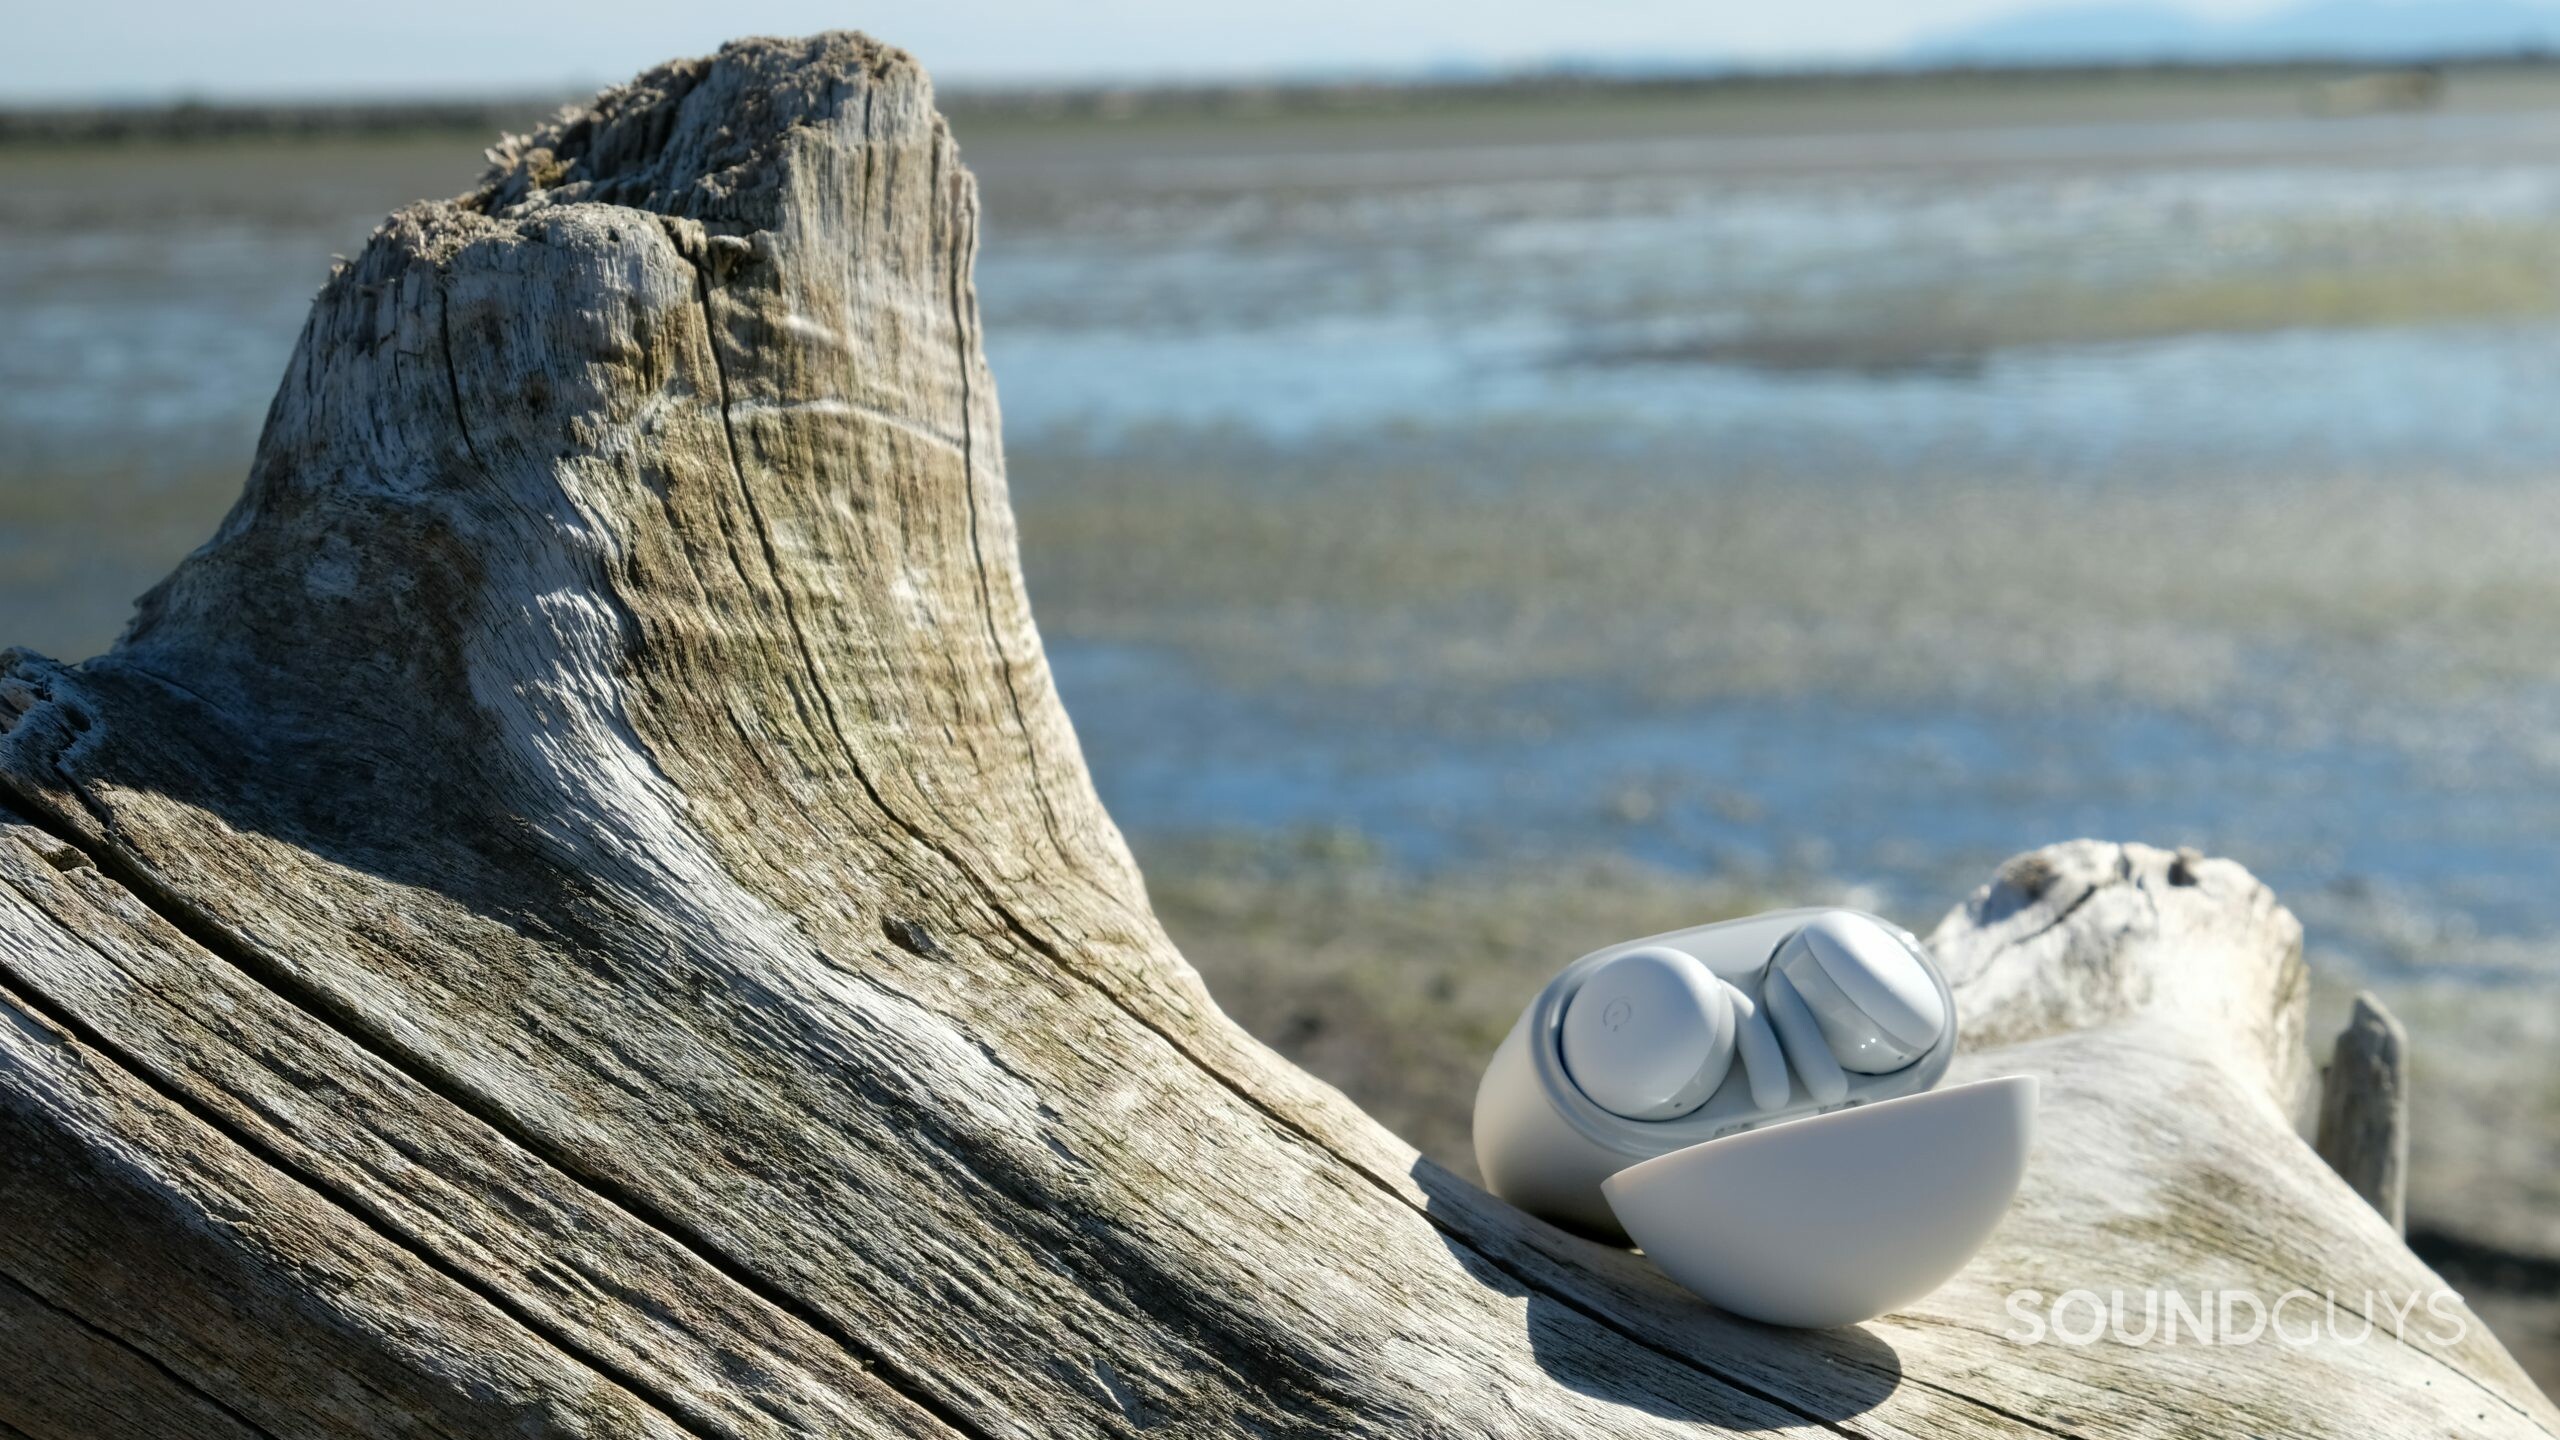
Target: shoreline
(197,120)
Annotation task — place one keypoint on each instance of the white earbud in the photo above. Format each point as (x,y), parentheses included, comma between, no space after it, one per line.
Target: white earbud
(1846,994)
(1650,1034)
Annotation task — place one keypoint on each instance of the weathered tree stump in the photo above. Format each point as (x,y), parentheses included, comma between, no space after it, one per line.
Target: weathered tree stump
(2364,1109)
(579,912)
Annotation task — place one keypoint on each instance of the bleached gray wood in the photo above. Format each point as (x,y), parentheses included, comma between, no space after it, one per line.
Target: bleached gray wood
(2364,1109)
(578,911)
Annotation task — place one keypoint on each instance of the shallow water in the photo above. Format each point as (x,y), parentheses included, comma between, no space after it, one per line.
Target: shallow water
(1843,511)
(1829,495)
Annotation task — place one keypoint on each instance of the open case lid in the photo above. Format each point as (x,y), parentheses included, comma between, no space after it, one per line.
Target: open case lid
(1839,1217)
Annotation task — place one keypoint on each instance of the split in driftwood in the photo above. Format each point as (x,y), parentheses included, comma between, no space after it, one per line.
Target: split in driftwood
(579,912)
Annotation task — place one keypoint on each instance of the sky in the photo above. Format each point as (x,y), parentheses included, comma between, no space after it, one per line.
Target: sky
(147,50)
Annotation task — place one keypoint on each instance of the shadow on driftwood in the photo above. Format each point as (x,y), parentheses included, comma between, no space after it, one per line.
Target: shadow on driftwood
(352,787)
(1858,1369)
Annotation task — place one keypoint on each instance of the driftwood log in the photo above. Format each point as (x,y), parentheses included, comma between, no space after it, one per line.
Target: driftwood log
(578,912)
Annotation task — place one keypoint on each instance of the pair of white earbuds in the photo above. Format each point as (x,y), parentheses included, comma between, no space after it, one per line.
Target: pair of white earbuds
(1823,1184)
(1652,1032)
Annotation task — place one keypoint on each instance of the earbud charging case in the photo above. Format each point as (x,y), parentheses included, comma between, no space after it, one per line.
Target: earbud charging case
(1802,1214)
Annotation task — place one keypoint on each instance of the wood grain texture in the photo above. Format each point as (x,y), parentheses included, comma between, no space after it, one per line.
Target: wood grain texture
(578,911)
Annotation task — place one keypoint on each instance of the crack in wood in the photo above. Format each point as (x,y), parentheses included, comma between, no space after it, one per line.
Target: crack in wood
(165,1369)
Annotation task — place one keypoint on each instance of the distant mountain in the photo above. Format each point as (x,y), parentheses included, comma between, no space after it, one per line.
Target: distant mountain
(2325,29)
